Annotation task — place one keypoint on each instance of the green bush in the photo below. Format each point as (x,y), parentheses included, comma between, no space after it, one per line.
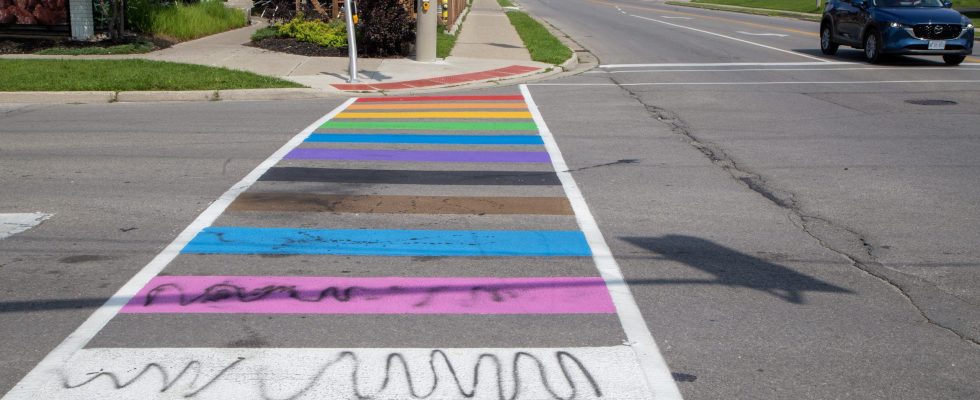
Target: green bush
(266,33)
(326,34)
(182,21)
(387,29)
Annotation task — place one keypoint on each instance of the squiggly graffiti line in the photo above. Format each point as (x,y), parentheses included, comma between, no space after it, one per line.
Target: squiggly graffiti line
(566,362)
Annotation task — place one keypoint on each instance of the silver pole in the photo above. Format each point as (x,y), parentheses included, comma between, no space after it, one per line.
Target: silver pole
(351,43)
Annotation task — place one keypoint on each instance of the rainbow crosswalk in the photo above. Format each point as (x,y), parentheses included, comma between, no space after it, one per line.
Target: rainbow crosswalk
(405,247)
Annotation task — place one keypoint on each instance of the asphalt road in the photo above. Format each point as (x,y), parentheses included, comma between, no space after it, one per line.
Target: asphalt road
(789,227)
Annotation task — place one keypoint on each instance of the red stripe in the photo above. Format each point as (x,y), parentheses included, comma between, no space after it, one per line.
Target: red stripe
(440,98)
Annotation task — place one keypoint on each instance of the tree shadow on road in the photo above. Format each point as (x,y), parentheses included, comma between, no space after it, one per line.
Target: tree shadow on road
(731,268)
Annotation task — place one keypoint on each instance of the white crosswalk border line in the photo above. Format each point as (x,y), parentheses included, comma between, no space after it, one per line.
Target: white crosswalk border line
(279,373)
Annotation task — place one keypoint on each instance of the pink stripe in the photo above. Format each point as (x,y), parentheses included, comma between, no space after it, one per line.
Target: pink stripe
(344,295)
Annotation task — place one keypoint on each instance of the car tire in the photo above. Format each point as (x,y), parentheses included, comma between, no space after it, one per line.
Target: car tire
(872,47)
(953,59)
(827,44)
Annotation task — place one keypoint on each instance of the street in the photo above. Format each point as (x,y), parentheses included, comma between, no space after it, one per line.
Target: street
(716,210)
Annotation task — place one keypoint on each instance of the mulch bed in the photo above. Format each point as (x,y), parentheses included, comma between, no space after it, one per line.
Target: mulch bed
(25,46)
(29,46)
(293,46)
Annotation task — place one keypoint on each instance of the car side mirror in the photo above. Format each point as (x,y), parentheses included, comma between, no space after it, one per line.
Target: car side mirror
(948,4)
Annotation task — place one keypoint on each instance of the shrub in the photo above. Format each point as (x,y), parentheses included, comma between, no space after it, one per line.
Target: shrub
(185,22)
(326,34)
(266,33)
(386,29)
(182,21)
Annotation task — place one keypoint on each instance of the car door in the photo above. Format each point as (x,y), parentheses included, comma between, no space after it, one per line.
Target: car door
(847,17)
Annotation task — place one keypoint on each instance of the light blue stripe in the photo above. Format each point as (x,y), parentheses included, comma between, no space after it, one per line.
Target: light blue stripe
(364,242)
(425,139)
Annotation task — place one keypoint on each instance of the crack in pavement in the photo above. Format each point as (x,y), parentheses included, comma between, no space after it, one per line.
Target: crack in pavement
(933,304)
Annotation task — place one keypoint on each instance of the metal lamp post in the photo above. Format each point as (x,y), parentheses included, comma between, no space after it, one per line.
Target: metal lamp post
(351,42)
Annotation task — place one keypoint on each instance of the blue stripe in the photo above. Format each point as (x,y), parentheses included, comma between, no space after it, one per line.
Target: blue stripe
(424,139)
(364,242)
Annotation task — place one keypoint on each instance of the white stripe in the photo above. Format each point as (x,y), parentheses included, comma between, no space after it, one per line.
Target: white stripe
(12,224)
(300,373)
(729,37)
(749,83)
(652,363)
(761,34)
(664,16)
(57,358)
(741,64)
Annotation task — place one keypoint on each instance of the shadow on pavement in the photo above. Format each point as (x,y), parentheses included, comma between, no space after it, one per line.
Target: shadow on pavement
(731,268)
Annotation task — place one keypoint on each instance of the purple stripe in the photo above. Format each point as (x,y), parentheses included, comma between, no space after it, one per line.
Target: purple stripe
(418,155)
(381,295)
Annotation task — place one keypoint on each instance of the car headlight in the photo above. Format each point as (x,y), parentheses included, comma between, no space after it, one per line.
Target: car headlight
(897,25)
(969,26)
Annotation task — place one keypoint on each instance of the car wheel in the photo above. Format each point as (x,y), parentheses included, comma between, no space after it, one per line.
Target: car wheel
(872,47)
(953,59)
(827,45)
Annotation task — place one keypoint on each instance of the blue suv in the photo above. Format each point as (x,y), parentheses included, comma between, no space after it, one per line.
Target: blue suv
(883,27)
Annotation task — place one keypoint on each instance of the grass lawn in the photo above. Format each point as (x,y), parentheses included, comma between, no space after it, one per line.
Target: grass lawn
(121,75)
(444,43)
(129,48)
(505,3)
(807,6)
(542,45)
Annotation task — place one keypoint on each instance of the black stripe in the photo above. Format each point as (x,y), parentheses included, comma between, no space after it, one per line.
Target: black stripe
(300,174)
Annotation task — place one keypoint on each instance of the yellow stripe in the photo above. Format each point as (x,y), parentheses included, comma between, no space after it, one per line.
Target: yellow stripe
(437,106)
(437,115)
(973,59)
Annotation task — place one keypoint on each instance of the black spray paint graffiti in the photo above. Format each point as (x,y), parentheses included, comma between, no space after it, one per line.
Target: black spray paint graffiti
(226,291)
(566,362)
(164,377)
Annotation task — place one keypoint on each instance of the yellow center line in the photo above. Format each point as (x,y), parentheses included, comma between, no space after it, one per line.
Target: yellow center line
(437,115)
(761,26)
(438,106)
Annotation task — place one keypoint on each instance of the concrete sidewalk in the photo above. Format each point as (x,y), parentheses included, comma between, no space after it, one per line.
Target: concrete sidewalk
(488,49)
(487,33)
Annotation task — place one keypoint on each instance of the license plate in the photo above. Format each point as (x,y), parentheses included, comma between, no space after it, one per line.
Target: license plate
(937,45)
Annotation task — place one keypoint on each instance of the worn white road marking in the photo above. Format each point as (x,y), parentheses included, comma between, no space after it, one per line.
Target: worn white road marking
(670,17)
(723,64)
(729,37)
(652,363)
(752,83)
(50,367)
(761,34)
(12,224)
(359,373)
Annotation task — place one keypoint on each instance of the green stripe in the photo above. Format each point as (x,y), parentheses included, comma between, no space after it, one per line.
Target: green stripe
(432,126)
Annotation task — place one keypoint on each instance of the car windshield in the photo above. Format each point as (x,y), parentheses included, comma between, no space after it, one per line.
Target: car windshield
(908,3)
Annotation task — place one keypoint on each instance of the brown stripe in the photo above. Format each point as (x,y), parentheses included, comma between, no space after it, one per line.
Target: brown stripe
(313,202)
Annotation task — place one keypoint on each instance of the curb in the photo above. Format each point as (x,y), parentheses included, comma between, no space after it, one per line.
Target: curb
(165,96)
(572,60)
(57,97)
